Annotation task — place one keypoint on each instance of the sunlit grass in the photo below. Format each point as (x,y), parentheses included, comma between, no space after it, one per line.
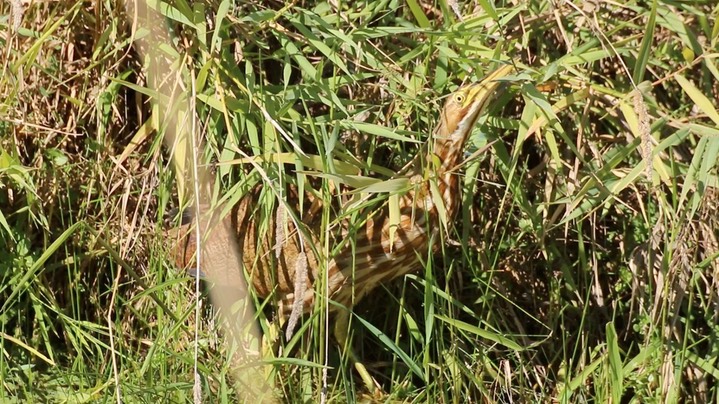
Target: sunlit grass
(581,267)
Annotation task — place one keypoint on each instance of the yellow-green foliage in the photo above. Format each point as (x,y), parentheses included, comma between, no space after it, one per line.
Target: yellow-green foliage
(581,268)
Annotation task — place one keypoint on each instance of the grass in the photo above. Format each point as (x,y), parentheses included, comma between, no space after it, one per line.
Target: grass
(582,267)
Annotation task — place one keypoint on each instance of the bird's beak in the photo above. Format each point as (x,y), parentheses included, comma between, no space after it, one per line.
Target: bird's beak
(490,84)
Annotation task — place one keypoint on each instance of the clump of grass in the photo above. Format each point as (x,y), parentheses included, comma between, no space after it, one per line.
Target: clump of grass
(582,265)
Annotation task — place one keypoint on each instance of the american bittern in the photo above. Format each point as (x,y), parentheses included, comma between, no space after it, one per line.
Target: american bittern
(377,254)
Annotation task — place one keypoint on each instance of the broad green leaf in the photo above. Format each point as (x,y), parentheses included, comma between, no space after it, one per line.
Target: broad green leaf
(26,347)
(488,8)
(707,365)
(305,65)
(222,10)
(376,130)
(439,205)
(387,342)
(673,22)
(616,374)
(646,48)
(180,14)
(701,101)
(392,185)
(354,181)
(418,14)
(320,45)
(585,57)
(38,264)
(29,56)
(494,337)
(581,379)
(292,361)
(690,180)
(312,161)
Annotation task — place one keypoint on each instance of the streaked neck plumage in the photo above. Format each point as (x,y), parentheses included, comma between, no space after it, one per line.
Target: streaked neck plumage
(459,115)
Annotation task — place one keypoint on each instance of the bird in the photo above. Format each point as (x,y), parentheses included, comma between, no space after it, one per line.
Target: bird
(284,259)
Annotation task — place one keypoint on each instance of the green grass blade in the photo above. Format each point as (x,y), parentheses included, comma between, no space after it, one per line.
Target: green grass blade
(646,48)
(616,374)
(488,335)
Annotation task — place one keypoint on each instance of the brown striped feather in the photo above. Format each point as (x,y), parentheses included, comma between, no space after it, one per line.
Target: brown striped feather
(368,259)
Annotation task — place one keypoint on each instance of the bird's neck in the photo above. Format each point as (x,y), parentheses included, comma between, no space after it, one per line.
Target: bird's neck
(442,160)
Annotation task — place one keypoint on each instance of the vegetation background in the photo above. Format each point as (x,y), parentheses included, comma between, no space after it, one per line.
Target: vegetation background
(583,267)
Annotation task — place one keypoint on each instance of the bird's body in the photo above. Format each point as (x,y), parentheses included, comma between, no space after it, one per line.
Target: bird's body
(289,265)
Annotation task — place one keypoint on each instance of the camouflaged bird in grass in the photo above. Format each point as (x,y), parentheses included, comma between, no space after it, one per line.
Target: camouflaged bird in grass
(281,258)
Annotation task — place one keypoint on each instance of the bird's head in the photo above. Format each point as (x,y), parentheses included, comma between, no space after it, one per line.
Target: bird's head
(464,106)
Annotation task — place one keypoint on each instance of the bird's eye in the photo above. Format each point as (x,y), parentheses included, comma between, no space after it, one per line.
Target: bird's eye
(459,98)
